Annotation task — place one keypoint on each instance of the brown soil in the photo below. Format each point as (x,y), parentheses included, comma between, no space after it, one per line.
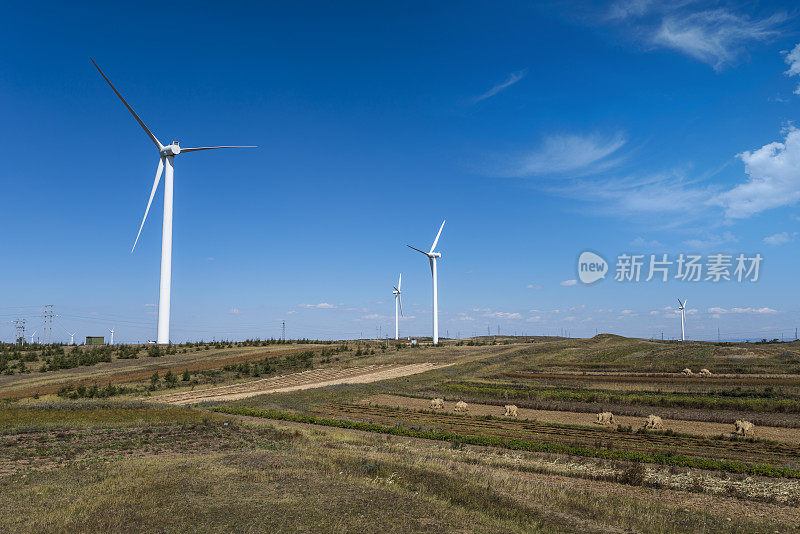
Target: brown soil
(316,378)
(102,374)
(699,428)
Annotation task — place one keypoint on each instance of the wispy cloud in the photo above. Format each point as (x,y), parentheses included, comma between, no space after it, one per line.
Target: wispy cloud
(562,155)
(711,241)
(567,283)
(235,311)
(513,78)
(780,239)
(320,306)
(718,36)
(644,243)
(503,315)
(534,287)
(793,60)
(748,310)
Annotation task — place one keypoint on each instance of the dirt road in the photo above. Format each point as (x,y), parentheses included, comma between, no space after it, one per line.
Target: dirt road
(315,378)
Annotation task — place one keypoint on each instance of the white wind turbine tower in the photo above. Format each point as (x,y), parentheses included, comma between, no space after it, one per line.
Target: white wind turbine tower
(682,309)
(166,159)
(432,257)
(112,336)
(398,305)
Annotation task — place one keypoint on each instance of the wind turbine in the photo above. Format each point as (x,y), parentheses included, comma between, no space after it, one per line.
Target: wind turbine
(112,337)
(432,257)
(398,305)
(166,159)
(682,309)
(32,336)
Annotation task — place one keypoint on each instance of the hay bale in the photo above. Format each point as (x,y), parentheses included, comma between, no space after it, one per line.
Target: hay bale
(511,410)
(461,406)
(437,404)
(653,422)
(705,372)
(687,372)
(605,418)
(744,428)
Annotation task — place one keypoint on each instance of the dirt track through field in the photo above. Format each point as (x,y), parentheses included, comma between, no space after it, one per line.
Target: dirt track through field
(315,378)
(698,428)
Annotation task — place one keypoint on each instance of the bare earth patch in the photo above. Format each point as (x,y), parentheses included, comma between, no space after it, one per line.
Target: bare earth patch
(316,378)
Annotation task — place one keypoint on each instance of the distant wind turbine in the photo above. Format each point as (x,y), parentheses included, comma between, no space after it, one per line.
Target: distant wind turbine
(112,336)
(432,257)
(682,309)
(70,334)
(398,306)
(166,158)
(32,336)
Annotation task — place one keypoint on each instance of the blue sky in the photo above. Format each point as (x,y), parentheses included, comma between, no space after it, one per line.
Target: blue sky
(538,131)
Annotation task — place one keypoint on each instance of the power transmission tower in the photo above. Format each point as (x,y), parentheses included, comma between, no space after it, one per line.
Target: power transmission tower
(283,330)
(48,323)
(19,328)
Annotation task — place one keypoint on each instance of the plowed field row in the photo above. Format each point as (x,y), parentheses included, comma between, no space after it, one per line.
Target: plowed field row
(743,451)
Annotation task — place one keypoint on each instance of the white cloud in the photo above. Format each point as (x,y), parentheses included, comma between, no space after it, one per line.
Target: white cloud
(373,316)
(561,154)
(780,239)
(513,78)
(291,312)
(210,258)
(717,37)
(711,241)
(774,179)
(567,283)
(503,315)
(629,8)
(642,242)
(748,310)
(235,311)
(534,287)
(320,306)
(793,60)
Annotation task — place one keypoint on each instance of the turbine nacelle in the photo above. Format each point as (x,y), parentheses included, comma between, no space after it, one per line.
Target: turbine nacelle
(170,150)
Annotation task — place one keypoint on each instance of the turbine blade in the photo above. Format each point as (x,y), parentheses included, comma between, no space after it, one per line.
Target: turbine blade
(431,260)
(684,302)
(680,303)
(135,116)
(213,148)
(418,250)
(399,281)
(152,194)
(400,301)
(433,247)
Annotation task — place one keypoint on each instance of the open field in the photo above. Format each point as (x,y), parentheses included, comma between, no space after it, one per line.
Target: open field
(123,371)
(332,439)
(296,381)
(699,428)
